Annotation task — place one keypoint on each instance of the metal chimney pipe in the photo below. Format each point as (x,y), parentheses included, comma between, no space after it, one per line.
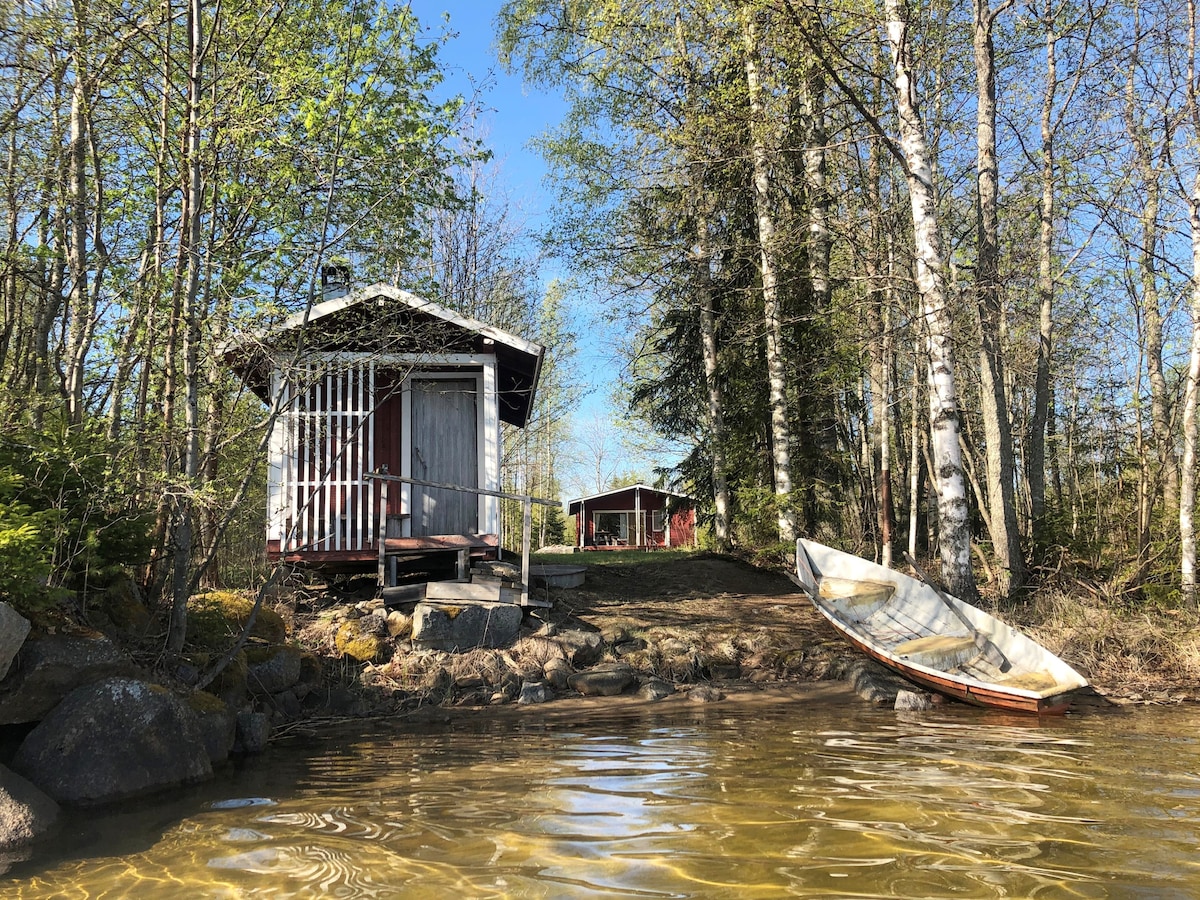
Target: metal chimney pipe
(335,280)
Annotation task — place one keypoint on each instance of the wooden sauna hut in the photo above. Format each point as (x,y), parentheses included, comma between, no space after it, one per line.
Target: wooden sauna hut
(380,381)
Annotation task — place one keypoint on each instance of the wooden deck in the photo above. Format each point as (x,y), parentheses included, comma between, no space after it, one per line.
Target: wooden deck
(478,545)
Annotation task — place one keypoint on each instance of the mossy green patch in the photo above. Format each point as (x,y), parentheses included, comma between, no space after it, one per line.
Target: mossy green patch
(352,641)
(231,681)
(216,618)
(123,605)
(202,703)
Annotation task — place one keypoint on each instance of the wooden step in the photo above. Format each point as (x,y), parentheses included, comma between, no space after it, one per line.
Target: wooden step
(457,590)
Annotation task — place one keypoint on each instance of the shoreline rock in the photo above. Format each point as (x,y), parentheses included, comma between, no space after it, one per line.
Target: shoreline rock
(14,628)
(51,666)
(111,740)
(26,813)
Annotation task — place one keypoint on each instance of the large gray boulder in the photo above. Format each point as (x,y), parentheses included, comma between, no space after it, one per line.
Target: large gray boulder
(465,625)
(114,739)
(655,689)
(13,629)
(582,648)
(603,681)
(53,665)
(274,671)
(25,812)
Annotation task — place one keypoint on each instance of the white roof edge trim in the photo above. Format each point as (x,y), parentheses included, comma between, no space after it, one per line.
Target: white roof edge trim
(380,289)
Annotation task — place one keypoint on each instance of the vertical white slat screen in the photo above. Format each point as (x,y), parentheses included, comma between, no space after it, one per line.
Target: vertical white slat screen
(320,449)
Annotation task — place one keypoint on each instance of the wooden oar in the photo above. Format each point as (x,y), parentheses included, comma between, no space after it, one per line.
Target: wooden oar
(990,651)
(804,577)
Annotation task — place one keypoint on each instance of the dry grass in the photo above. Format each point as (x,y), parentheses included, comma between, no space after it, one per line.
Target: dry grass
(537,651)
(1122,653)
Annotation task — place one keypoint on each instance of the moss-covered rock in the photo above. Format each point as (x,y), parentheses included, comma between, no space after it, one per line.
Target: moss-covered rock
(216,722)
(216,618)
(230,685)
(114,739)
(353,641)
(122,603)
(203,702)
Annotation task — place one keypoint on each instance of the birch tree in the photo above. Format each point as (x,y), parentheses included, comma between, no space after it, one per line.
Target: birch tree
(997,428)
(781,436)
(702,261)
(1187,485)
(954,536)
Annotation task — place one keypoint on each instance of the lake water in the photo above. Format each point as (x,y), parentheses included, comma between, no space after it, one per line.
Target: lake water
(741,800)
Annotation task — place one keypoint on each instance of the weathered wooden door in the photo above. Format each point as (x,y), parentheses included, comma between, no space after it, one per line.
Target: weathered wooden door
(445,449)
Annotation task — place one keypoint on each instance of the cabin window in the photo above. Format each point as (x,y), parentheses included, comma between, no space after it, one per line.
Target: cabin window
(611,527)
(656,520)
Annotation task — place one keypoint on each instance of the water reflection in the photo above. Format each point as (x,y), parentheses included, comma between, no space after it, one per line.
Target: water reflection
(786,800)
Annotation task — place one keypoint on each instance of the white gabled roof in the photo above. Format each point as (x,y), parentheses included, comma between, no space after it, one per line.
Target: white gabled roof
(519,362)
(380,289)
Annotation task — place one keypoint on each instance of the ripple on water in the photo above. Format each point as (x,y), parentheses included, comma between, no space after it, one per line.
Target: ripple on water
(795,800)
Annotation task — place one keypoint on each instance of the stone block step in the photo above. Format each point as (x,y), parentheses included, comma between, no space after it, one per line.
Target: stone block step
(483,593)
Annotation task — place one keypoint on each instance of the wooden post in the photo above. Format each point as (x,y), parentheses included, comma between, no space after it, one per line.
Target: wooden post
(637,517)
(382,532)
(464,564)
(526,540)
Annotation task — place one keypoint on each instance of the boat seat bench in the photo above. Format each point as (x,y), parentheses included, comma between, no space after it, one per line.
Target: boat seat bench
(853,596)
(939,651)
(1029,681)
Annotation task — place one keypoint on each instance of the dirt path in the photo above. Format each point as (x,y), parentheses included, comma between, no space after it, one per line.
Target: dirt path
(742,621)
(701,592)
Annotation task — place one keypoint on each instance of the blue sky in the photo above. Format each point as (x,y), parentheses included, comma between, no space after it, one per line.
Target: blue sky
(513,116)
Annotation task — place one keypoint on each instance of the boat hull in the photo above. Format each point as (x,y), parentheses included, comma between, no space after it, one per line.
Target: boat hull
(974,694)
(959,651)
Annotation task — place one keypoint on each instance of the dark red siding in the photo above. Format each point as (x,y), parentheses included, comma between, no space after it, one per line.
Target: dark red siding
(678,515)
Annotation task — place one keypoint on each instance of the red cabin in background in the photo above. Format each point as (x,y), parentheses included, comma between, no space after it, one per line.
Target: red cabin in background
(637,516)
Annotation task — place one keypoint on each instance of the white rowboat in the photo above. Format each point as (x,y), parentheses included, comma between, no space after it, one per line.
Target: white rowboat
(910,627)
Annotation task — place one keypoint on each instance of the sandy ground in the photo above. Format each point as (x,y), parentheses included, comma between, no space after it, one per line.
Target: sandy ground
(710,597)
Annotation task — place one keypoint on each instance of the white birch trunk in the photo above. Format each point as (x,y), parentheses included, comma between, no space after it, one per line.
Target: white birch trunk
(1187,475)
(716,400)
(954,536)
(80,316)
(776,371)
(1035,453)
(1187,480)
(914,464)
